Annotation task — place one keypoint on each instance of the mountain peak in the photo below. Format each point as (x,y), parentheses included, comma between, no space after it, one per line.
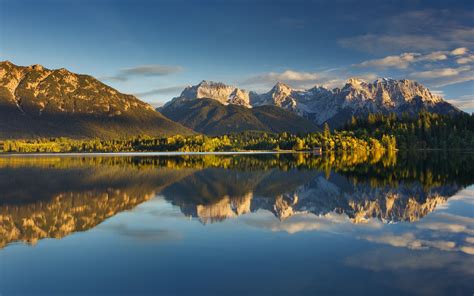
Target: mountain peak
(37,67)
(385,80)
(210,83)
(281,86)
(64,71)
(354,81)
(6,62)
(42,102)
(223,93)
(281,89)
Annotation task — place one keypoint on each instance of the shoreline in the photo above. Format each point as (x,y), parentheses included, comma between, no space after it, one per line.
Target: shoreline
(184,153)
(161,153)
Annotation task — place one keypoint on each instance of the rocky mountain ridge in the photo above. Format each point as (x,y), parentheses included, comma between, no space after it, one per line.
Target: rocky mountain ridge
(218,91)
(36,90)
(39,102)
(335,106)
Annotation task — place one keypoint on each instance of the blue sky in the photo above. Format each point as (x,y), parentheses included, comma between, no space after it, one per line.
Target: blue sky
(155,48)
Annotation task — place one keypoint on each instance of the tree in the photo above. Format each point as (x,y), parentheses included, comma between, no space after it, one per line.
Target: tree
(299,145)
(327,131)
(353,120)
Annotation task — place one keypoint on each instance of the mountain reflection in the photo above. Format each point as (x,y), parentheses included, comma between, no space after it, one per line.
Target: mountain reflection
(52,197)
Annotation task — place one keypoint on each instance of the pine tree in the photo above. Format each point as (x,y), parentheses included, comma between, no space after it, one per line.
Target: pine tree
(327,131)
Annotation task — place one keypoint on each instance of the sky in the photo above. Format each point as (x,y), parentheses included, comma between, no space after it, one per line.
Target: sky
(153,49)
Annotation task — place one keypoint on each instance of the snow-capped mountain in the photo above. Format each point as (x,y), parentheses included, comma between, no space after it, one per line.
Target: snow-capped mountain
(225,94)
(335,106)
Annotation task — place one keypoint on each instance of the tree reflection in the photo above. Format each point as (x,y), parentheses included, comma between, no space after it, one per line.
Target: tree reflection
(55,196)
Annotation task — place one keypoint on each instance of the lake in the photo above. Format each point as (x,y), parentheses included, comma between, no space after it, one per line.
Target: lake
(270,224)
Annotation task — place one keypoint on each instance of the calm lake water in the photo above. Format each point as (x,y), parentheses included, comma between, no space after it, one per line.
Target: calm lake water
(237,225)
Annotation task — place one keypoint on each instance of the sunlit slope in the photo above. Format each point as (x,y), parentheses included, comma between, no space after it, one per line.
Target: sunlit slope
(38,102)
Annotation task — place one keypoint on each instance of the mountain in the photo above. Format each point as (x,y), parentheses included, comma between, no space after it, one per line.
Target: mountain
(335,106)
(38,102)
(218,91)
(211,117)
(357,98)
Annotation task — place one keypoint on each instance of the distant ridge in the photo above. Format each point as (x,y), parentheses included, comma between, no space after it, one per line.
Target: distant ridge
(335,106)
(39,102)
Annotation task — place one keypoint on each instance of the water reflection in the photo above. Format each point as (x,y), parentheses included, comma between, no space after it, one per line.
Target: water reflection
(52,197)
(274,224)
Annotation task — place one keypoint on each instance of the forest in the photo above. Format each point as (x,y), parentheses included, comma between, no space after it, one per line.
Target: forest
(246,141)
(373,134)
(424,131)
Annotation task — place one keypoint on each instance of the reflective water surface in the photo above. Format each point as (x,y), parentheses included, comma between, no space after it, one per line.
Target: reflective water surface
(288,224)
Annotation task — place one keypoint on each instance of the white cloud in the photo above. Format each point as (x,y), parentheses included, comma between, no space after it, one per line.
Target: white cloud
(404,240)
(379,43)
(397,61)
(411,241)
(331,222)
(144,70)
(466,195)
(366,76)
(439,93)
(439,73)
(464,102)
(449,223)
(419,31)
(449,80)
(116,78)
(328,78)
(289,75)
(467,249)
(161,91)
(404,60)
(433,57)
(440,230)
(446,227)
(459,51)
(436,69)
(466,60)
(151,70)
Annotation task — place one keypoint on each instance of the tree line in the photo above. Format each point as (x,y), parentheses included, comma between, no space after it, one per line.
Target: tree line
(246,141)
(370,135)
(423,131)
